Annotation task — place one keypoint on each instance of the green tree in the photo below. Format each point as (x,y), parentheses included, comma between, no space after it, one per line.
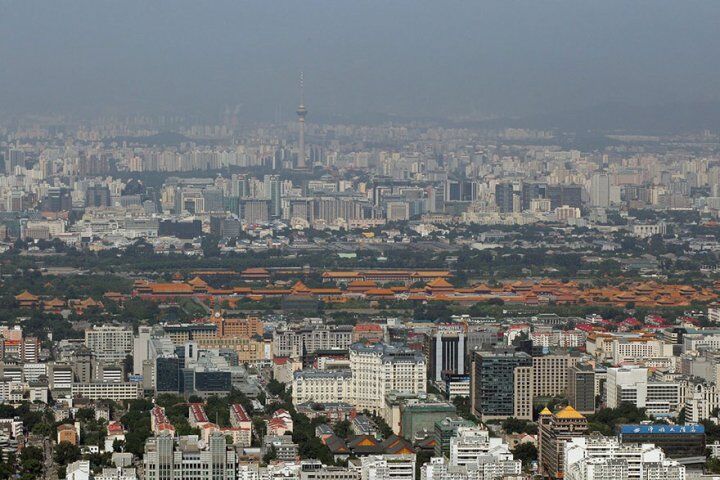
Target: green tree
(462,404)
(514,425)
(342,429)
(712,465)
(8,468)
(137,422)
(606,419)
(209,245)
(276,388)
(31,460)
(85,415)
(270,455)
(118,445)
(98,461)
(66,452)
(526,452)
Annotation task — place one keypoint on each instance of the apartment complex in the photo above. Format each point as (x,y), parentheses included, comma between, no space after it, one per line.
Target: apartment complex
(186,458)
(110,343)
(597,458)
(375,371)
(303,341)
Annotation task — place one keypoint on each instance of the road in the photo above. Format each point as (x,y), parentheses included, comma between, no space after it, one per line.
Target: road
(49,467)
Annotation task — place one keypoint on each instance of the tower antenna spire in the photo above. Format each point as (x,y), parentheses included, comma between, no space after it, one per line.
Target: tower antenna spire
(301,113)
(302,89)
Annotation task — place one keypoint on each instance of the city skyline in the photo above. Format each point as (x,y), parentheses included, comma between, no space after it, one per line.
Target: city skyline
(366,61)
(333,240)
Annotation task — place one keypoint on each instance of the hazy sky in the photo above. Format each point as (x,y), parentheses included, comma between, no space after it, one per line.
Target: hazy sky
(406,57)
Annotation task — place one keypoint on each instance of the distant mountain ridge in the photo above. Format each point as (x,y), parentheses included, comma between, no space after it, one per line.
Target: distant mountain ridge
(623,118)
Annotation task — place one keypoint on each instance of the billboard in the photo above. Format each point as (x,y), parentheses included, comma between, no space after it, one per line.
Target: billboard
(661,429)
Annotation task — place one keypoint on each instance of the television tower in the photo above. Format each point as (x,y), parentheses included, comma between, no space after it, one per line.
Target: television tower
(301,113)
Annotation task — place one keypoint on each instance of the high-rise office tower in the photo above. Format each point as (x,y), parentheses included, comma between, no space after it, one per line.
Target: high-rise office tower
(501,384)
(460,191)
(301,113)
(447,350)
(272,193)
(581,388)
(531,191)
(600,190)
(58,199)
(560,195)
(14,158)
(97,196)
(504,193)
(551,374)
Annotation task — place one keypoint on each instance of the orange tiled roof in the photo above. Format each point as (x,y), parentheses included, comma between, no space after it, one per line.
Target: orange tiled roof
(439,283)
(340,274)
(55,302)
(255,271)
(197,282)
(26,296)
(300,287)
(170,288)
(379,292)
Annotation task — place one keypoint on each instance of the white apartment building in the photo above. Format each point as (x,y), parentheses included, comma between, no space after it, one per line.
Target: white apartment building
(375,371)
(33,371)
(701,400)
(79,470)
(116,391)
(439,468)
(140,349)
(665,470)
(110,343)
(626,384)
(598,457)
(323,386)
(248,471)
(695,341)
(380,369)
(598,469)
(387,467)
(61,377)
(281,471)
(117,473)
(473,445)
(558,338)
(713,313)
(630,384)
(648,230)
(109,373)
(664,397)
(623,350)
(473,455)
(294,342)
